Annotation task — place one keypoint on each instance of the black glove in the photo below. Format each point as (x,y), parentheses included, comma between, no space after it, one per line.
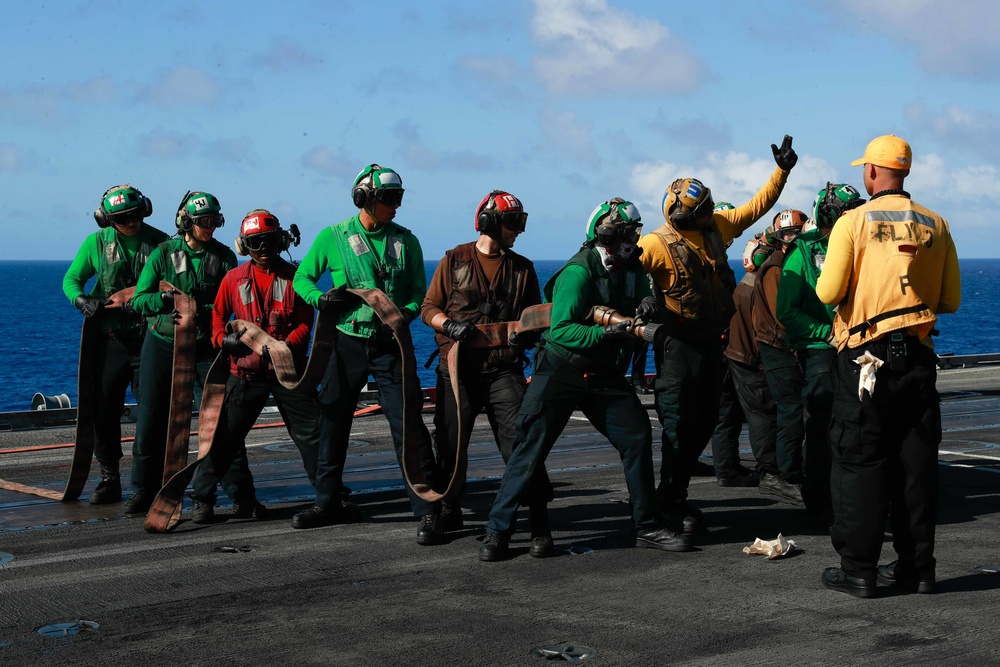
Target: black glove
(648,310)
(525,339)
(336,300)
(233,346)
(457,330)
(168,299)
(90,306)
(785,156)
(619,332)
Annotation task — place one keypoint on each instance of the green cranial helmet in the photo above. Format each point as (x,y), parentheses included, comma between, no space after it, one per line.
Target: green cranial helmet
(122,203)
(376,183)
(723,206)
(201,208)
(833,201)
(615,217)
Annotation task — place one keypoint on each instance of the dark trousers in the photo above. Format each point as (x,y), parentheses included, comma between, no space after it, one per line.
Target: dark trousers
(761,413)
(352,361)
(817,397)
(784,379)
(150,446)
(688,387)
(885,459)
(499,393)
(557,388)
(117,366)
(228,462)
(726,437)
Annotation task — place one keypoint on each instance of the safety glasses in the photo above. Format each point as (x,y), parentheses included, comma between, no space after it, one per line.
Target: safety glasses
(209,221)
(257,242)
(704,208)
(515,221)
(630,233)
(389,196)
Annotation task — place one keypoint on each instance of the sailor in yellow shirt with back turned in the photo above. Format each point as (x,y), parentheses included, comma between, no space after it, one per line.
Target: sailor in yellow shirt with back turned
(892,267)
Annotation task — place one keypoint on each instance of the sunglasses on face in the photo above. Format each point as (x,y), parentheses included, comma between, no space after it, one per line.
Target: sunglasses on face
(208,221)
(257,242)
(127,219)
(515,221)
(389,196)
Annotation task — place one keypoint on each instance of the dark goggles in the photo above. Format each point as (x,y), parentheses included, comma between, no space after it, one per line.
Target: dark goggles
(127,219)
(389,196)
(606,234)
(209,221)
(515,221)
(258,242)
(705,207)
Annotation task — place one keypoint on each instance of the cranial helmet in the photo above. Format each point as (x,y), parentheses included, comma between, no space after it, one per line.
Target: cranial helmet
(786,226)
(723,206)
(756,252)
(376,183)
(833,201)
(198,206)
(686,200)
(500,208)
(120,203)
(261,228)
(614,218)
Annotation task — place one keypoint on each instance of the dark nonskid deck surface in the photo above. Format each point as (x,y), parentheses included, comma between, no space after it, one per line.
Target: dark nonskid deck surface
(259,592)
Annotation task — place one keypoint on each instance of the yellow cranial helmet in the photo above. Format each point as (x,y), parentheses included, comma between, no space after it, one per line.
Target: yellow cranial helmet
(685,200)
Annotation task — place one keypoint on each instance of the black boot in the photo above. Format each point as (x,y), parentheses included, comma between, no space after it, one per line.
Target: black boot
(109,490)
(541,535)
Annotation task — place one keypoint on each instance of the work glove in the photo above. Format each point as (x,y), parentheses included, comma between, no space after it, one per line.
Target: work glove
(619,332)
(457,330)
(648,310)
(785,156)
(525,339)
(168,299)
(336,300)
(233,346)
(90,306)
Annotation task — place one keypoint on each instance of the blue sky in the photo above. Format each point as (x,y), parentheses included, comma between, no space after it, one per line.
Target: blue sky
(564,103)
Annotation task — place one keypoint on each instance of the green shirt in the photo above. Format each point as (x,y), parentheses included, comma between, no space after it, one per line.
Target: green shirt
(574,290)
(806,319)
(197,274)
(117,261)
(389,259)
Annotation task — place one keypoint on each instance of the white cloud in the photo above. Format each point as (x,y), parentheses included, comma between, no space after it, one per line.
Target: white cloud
(420,154)
(589,48)
(181,85)
(955,127)
(932,182)
(953,38)
(733,177)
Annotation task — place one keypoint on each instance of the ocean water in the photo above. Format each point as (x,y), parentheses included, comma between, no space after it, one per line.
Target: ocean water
(40,329)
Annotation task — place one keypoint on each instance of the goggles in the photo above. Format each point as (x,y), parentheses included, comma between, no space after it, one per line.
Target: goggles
(258,242)
(127,219)
(627,233)
(389,196)
(209,221)
(515,221)
(705,207)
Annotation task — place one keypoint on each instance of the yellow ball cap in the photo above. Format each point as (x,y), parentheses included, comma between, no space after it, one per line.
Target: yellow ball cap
(886,151)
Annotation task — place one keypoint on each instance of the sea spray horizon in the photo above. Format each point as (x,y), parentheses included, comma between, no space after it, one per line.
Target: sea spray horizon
(40,329)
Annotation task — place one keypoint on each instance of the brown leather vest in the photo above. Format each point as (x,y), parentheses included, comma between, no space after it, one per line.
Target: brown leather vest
(767,327)
(472,298)
(742,345)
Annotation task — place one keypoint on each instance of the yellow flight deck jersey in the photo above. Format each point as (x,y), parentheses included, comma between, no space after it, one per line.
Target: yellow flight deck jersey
(701,312)
(891,265)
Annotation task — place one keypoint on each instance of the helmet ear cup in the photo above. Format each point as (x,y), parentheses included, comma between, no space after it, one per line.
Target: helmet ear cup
(241,249)
(182,221)
(101,217)
(360,196)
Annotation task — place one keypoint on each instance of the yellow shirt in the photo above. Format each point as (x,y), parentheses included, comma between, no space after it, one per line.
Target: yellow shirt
(890,254)
(655,258)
